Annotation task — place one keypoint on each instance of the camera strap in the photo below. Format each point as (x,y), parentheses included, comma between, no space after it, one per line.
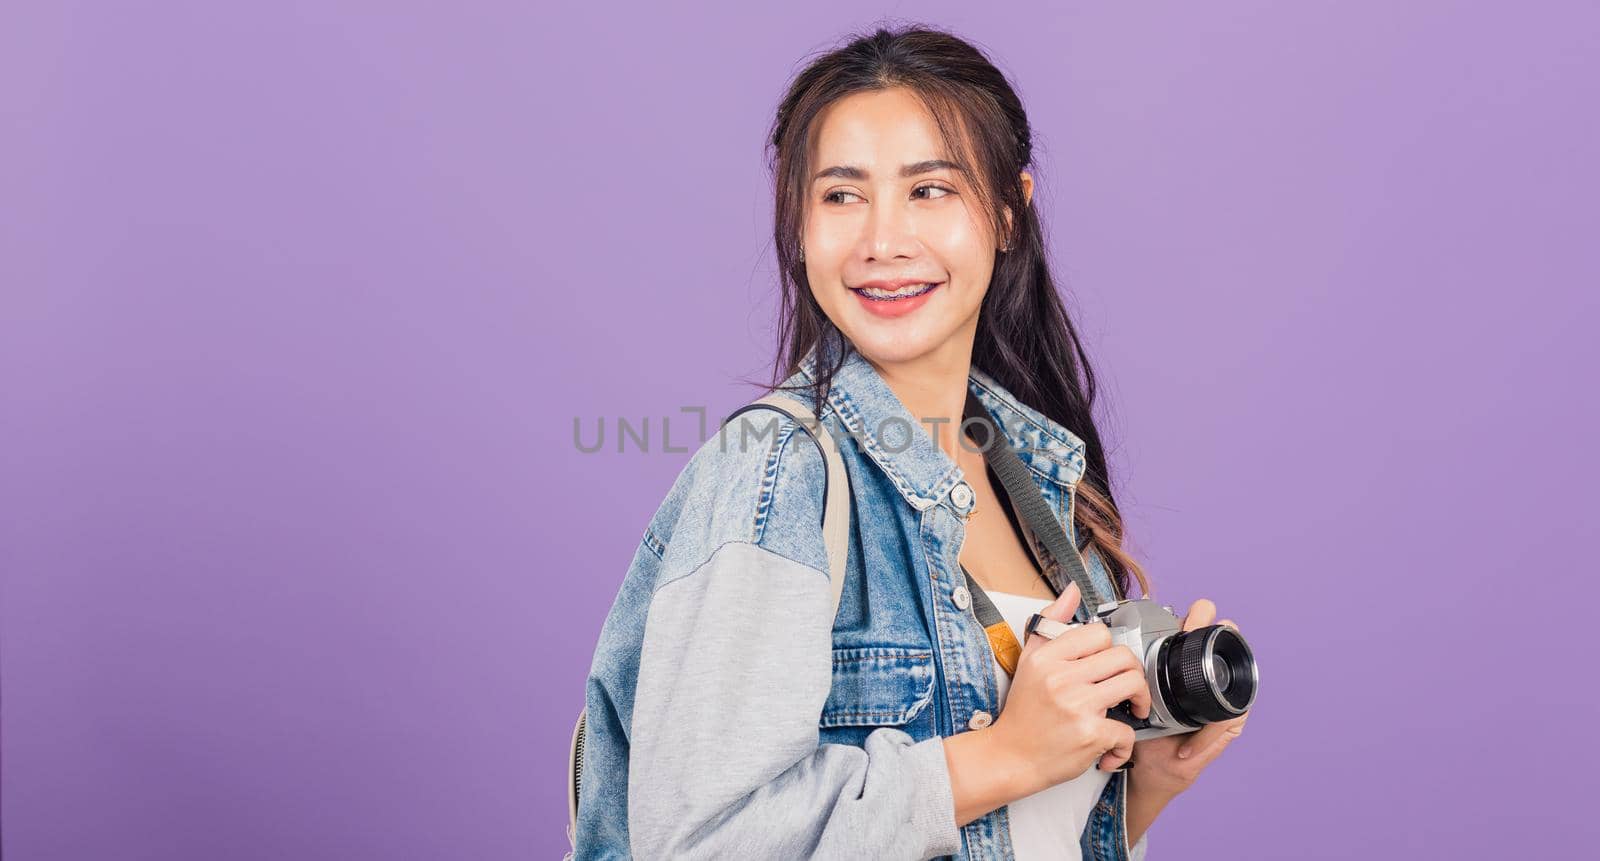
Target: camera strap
(1029,502)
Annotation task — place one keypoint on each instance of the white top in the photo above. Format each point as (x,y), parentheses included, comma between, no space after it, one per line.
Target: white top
(1048,823)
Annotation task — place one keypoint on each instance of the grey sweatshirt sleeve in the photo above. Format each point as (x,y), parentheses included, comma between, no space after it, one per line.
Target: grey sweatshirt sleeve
(725,762)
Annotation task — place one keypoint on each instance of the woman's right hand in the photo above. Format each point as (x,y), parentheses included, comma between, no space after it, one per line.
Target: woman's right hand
(1055,712)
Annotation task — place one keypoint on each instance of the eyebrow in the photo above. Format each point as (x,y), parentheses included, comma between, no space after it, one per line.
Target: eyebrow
(848,171)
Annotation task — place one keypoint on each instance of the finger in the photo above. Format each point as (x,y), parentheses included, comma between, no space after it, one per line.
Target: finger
(1116,674)
(1200,614)
(1104,664)
(1202,756)
(1203,739)
(1061,610)
(1065,604)
(1119,737)
(1079,642)
(1200,740)
(1127,685)
(1229,623)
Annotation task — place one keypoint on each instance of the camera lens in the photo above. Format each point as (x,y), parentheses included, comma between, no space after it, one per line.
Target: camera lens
(1207,675)
(1219,669)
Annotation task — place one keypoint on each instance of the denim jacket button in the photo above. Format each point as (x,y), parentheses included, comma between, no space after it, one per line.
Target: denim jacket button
(961,496)
(962,597)
(980,719)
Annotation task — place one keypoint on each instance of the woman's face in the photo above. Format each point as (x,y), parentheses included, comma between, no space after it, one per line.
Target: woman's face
(896,252)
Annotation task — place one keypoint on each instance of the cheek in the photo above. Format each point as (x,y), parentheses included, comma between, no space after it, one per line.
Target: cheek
(965,246)
(828,246)
(824,270)
(829,240)
(953,229)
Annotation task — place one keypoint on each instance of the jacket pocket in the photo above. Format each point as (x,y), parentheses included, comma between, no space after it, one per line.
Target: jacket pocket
(878,686)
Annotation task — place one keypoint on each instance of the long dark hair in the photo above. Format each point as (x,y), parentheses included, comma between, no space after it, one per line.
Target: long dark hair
(1025,339)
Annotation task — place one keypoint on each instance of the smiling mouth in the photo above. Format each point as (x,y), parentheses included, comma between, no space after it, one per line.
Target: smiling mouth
(907,292)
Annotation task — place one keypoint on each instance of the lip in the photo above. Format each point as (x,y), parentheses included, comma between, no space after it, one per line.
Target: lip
(895,307)
(895,283)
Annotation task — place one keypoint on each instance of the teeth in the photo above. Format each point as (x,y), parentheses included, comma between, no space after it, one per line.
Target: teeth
(902,293)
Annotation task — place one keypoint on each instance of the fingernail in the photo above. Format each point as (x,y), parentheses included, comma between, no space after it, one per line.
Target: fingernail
(1183,753)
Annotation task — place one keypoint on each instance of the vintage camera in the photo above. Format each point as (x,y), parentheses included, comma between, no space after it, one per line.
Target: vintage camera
(1196,677)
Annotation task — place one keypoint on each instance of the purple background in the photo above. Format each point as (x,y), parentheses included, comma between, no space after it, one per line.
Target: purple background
(300,302)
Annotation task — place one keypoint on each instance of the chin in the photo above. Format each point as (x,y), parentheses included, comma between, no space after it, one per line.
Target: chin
(895,347)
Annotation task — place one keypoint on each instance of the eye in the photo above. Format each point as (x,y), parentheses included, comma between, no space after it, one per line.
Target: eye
(835,195)
(931,188)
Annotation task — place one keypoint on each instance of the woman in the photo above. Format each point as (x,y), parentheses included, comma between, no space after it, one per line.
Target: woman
(730,714)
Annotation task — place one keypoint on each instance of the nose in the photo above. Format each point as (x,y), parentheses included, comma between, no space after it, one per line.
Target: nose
(890,232)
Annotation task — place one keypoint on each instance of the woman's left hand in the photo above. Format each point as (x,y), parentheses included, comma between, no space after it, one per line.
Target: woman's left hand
(1163,767)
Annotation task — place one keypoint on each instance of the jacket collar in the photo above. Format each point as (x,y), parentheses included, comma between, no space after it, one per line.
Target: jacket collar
(901,445)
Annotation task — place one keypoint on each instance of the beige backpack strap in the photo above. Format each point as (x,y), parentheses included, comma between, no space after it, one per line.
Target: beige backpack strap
(835,538)
(836,488)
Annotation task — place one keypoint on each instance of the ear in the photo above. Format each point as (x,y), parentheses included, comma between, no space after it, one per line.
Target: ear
(1027,199)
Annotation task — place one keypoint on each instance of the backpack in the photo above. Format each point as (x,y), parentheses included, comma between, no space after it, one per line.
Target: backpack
(835,537)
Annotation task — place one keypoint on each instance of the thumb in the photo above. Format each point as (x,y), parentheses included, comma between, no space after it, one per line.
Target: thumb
(1065,606)
(1061,610)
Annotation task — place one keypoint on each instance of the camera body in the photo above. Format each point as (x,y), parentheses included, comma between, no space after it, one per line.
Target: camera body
(1196,677)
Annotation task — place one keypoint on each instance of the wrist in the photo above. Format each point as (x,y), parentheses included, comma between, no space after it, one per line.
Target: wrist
(1151,792)
(988,771)
(1015,765)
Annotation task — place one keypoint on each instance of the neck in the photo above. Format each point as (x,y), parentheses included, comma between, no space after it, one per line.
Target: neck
(933,388)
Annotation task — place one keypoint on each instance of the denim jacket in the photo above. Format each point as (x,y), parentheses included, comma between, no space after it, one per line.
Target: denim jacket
(731,715)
